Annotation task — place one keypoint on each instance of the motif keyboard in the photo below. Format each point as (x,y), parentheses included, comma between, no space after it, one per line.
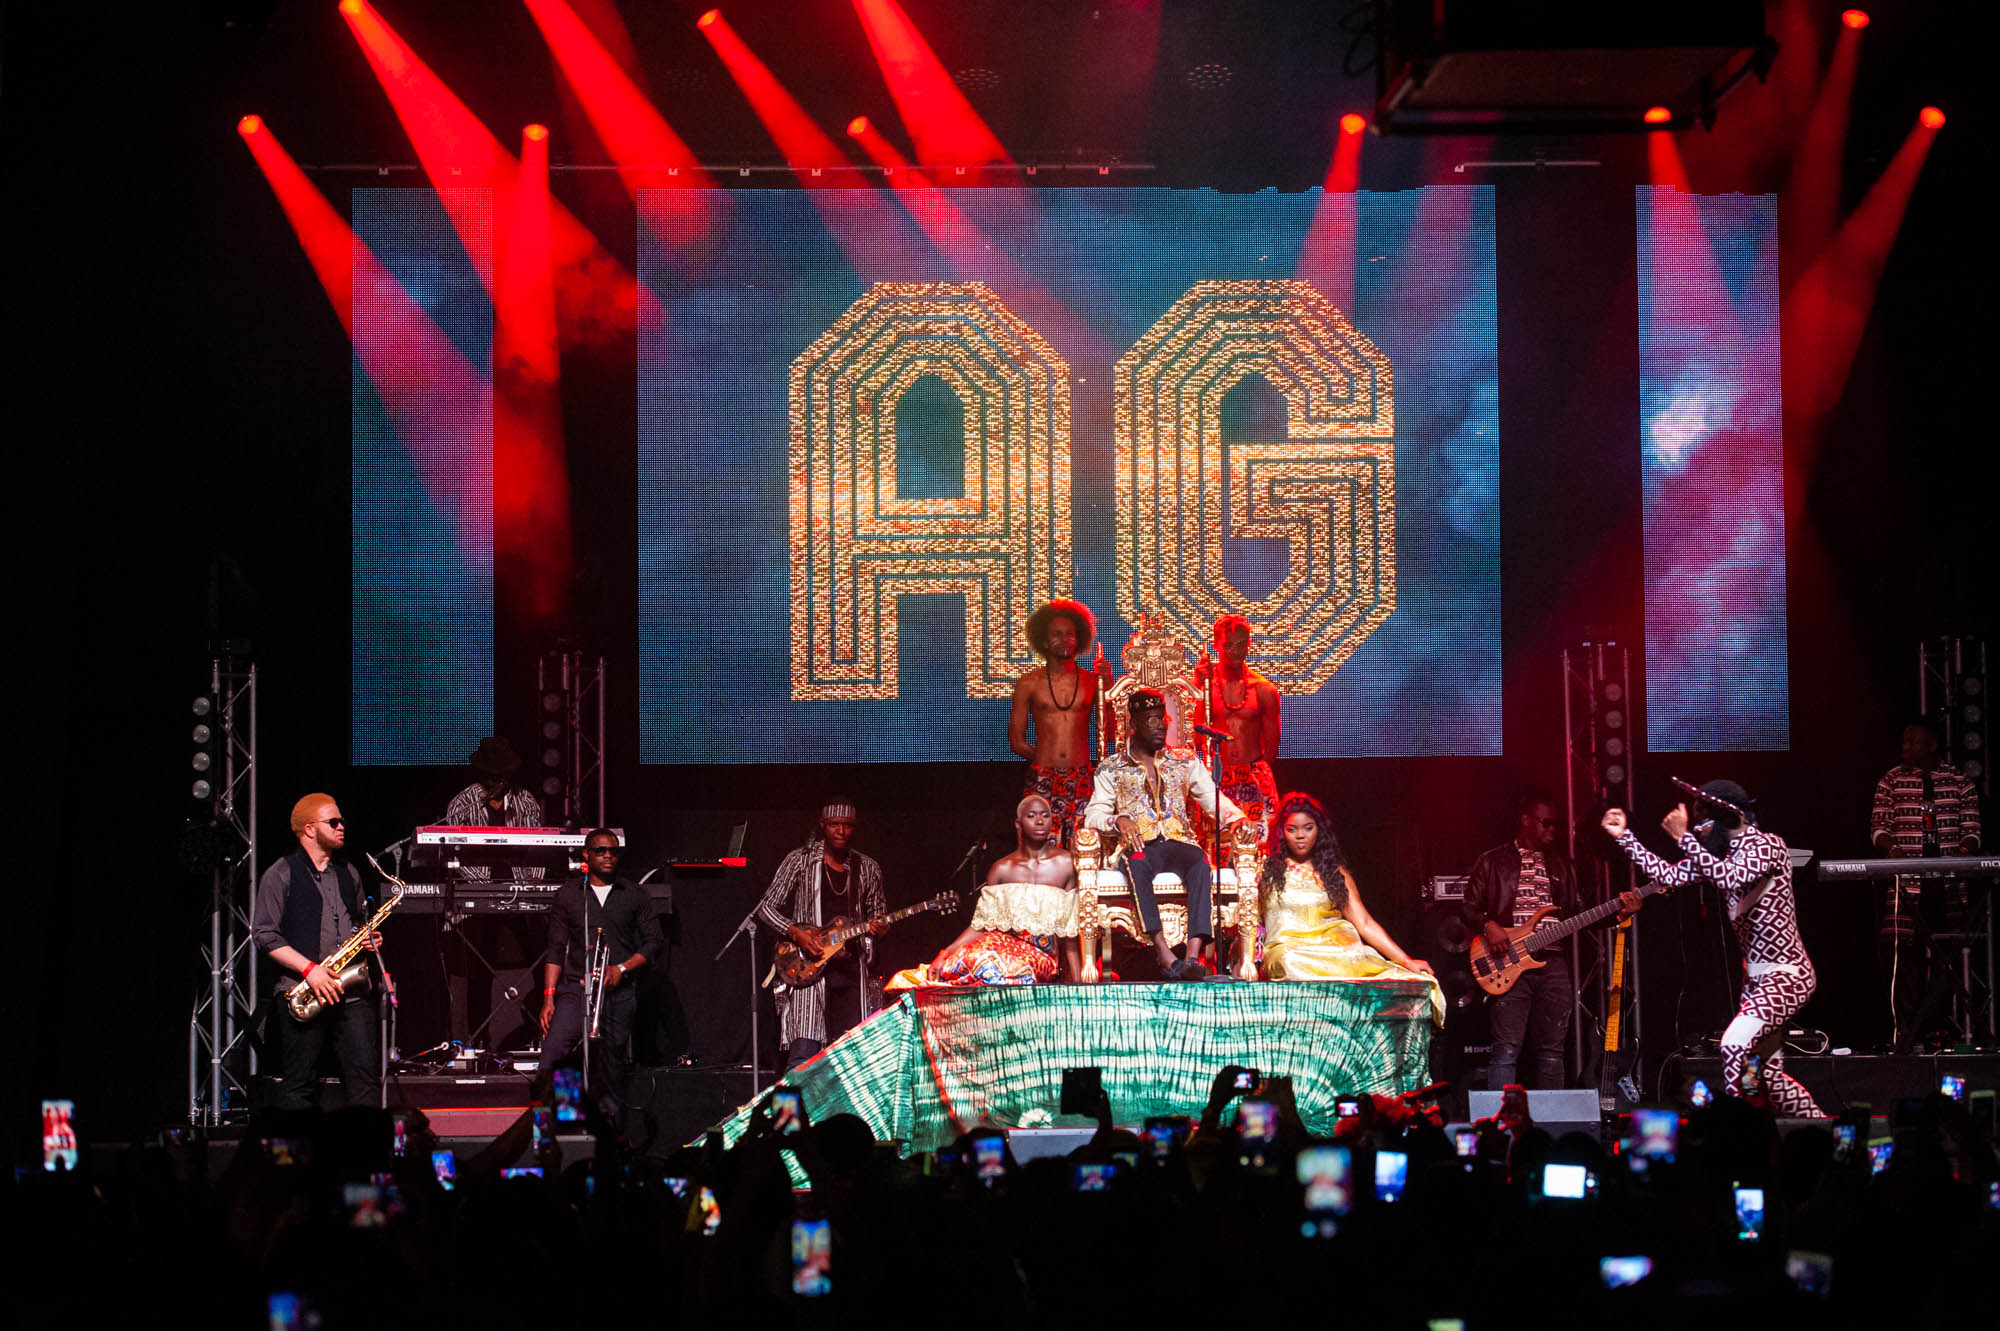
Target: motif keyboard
(502,898)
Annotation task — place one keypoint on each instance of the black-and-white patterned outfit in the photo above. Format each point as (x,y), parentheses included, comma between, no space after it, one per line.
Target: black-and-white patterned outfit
(1755,881)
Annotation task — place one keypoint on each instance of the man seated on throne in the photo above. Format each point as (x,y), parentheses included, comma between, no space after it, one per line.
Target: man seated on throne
(1026,916)
(1143,793)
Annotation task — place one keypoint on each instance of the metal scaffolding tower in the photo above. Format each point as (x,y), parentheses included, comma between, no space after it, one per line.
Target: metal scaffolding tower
(221,1060)
(1598,757)
(572,747)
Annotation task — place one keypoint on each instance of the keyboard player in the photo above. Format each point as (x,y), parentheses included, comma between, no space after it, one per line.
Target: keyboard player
(1924,808)
(493,800)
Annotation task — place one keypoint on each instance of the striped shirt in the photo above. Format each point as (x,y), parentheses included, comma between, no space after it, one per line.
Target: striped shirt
(1901,806)
(1531,892)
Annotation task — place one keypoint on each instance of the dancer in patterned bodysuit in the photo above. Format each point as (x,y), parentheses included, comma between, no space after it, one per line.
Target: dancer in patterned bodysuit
(1754,877)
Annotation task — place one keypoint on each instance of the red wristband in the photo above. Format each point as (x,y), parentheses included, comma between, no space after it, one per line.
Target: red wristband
(549,990)
(310,968)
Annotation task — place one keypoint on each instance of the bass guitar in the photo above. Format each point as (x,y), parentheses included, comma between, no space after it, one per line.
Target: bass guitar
(797,967)
(1496,969)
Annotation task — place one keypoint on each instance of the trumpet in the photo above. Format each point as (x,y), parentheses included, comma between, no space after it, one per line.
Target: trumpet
(344,962)
(598,960)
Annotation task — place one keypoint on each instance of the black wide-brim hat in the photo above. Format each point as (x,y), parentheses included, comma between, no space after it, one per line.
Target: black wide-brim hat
(1732,793)
(1076,611)
(494,757)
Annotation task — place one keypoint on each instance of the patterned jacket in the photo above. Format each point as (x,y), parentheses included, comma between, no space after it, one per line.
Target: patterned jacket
(796,896)
(1121,791)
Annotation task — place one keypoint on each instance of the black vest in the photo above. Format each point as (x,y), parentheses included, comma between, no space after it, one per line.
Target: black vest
(300,923)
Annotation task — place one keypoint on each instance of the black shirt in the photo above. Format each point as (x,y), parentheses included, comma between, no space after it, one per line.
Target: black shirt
(627,917)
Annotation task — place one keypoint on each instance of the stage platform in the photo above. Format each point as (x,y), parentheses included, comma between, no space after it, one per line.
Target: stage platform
(937,1062)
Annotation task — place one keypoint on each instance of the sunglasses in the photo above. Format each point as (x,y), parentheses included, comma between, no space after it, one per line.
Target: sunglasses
(600,850)
(334,822)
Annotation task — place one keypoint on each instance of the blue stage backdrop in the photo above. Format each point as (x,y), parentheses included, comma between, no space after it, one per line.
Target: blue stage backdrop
(423,480)
(875,432)
(1713,466)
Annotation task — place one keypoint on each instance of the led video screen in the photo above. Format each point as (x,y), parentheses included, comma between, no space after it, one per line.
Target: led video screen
(422,471)
(875,431)
(1713,470)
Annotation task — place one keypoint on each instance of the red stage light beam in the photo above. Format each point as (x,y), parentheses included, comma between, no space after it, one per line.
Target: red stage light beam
(1854,19)
(1812,195)
(1826,311)
(1663,160)
(807,149)
(531,511)
(940,121)
(596,295)
(647,151)
(1931,118)
(1326,259)
(1657,115)
(418,373)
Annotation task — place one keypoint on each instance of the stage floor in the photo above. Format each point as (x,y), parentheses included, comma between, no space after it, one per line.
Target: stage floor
(937,1062)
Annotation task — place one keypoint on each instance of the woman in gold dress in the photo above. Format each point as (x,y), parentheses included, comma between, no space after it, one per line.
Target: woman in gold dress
(1314,925)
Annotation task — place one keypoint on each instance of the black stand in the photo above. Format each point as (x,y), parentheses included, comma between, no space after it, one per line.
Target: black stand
(747,928)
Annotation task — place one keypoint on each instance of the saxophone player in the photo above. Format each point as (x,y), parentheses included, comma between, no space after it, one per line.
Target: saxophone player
(308,904)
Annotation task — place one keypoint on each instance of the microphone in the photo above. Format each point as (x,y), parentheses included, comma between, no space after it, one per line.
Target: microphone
(1211,732)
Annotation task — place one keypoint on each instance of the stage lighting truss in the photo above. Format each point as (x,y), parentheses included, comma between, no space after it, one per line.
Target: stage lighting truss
(1598,753)
(224,785)
(1951,691)
(569,744)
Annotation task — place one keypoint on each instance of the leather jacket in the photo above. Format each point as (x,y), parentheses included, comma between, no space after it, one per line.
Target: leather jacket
(1489,894)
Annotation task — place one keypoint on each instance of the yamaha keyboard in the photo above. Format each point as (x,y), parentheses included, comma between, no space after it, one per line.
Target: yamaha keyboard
(1945,866)
(554,850)
(479,898)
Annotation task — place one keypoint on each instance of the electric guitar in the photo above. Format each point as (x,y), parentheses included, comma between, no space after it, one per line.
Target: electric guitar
(796,967)
(1496,969)
(1615,1073)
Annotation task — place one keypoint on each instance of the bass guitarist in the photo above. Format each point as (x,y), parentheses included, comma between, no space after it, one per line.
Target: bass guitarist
(1509,884)
(822,879)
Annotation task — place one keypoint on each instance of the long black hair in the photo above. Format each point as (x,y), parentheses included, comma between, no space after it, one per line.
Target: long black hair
(1327,861)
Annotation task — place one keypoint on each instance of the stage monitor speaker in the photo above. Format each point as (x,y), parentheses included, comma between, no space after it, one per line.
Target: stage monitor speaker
(516,1002)
(1556,1111)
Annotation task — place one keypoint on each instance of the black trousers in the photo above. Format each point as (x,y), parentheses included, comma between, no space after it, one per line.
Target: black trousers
(843,1008)
(352,1028)
(1185,861)
(611,1060)
(1532,1018)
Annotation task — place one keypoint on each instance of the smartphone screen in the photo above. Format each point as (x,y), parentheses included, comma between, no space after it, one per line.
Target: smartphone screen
(522,1171)
(1256,1132)
(1164,1137)
(1080,1088)
(1699,1095)
(1392,1173)
(1843,1142)
(364,1202)
(1951,1086)
(1466,1141)
(1567,1182)
(59,1134)
(542,1130)
(812,1258)
(1749,1213)
(444,1166)
(1655,1134)
(989,1157)
(1879,1152)
(1093,1175)
(399,1136)
(1617,1272)
(291,1311)
(1347,1106)
(677,1186)
(1326,1189)
(788,1110)
(567,1095)
(1810,1271)
(1245,1081)
(709,1210)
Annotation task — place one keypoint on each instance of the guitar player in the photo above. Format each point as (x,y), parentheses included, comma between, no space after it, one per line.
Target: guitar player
(1508,885)
(820,880)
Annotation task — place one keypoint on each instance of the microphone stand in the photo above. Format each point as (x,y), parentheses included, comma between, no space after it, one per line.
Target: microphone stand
(747,926)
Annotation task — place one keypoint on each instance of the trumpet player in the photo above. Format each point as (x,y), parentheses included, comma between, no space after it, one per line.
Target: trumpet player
(598,901)
(308,904)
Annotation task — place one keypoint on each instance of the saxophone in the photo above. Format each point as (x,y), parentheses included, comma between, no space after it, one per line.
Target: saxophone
(344,962)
